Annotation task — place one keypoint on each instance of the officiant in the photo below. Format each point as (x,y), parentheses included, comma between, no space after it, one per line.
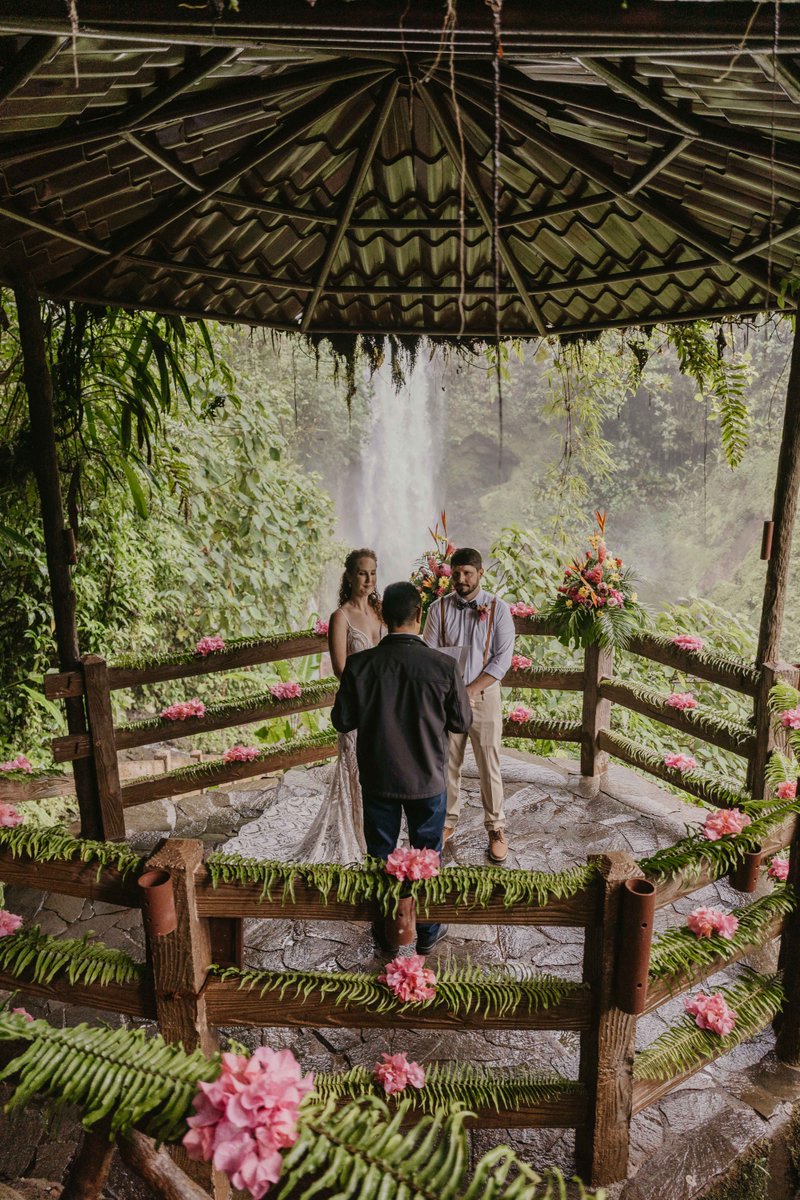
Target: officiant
(477,628)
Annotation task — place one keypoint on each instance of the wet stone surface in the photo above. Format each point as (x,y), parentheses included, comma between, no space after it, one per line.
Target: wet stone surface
(684,1140)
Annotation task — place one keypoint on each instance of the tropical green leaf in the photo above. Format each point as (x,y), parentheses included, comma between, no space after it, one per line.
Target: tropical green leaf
(29,952)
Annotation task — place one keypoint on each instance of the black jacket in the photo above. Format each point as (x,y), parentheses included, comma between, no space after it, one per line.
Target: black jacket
(403,698)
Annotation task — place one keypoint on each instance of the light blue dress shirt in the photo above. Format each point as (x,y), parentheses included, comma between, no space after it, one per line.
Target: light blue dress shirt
(463,627)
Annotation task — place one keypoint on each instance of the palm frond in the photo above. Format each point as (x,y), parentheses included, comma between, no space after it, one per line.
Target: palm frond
(80,959)
(55,844)
(756,1000)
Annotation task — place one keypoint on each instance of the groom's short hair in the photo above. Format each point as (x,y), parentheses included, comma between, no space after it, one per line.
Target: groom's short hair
(465,556)
(400,603)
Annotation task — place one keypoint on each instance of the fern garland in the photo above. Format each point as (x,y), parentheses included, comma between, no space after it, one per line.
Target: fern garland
(685,1047)
(56,844)
(81,959)
(197,772)
(460,989)
(183,658)
(312,695)
(678,952)
(719,792)
(782,697)
(541,728)
(699,718)
(745,672)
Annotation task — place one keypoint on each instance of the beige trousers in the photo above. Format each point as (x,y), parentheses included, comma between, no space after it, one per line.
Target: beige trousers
(485,734)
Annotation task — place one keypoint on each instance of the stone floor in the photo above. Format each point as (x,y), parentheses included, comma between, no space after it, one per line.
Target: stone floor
(552,825)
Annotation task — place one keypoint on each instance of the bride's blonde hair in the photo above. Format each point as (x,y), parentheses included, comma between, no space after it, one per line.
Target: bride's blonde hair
(346,585)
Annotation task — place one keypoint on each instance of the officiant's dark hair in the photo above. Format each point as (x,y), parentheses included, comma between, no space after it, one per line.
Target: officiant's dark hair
(465,556)
(400,602)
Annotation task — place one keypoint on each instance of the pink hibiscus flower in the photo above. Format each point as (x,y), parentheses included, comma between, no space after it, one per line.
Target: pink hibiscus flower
(711,1013)
(519,662)
(184,710)
(241,754)
(444,570)
(321,628)
(688,641)
(725,822)
(409,979)
(208,645)
(20,763)
(9,817)
(791,718)
(286,691)
(521,609)
(413,864)
(779,869)
(682,700)
(520,714)
(786,790)
(680,762)
(9,922)
(704,922)
(396,1073)
(22,1012)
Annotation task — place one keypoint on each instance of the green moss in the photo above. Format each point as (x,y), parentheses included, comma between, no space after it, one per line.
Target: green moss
(746,1179)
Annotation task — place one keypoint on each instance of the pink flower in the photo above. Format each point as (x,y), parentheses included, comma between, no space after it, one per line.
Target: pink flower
(321,628)
(521,609)
(725,822)
(688,641)
(413,864)
(9,817)
(786,790)
(520,714)
(445,570)
(704,922)
(20,763)
(409,979)
(241,754)
(779,869)
(183,710)
(682,700)
(396,1073)
(616,599)
(601,552)
(22,1012)
(791,718)
(9,922)
(680,762)
(711,1013)
(519,662)
(286,691)
(208,645)
(727,924)
(594,575)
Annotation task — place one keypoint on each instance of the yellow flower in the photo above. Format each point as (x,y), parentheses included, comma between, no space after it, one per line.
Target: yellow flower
(634,596)
(569,604)
(583,593)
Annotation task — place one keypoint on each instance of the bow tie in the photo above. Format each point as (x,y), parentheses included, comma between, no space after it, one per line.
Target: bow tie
(467,603)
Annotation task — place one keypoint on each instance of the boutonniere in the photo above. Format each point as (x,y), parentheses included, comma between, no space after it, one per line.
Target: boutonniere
(483,612)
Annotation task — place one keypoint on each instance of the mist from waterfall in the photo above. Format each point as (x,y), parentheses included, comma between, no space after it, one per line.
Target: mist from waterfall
(401,486)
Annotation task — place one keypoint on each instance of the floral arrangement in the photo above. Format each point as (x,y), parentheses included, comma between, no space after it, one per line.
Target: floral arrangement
(786,790)
(791,718)
(9,922)
(247,1116)
(396,1073)
(241,754)
(682,700)
(209,645)
(286,691)
(22,1012)
(413,864)
(705,922)
(321,627)
(9,816)
(688,641)
(519,714)
(711,1013)
(779,869)
(596,601)
(20,763)
(725,822)
(431,572)
(680,762)
(521,609)
(409,979)
(520,662)
(183,710)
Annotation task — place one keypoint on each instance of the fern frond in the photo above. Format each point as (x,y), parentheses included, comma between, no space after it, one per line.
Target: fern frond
(82,960)
(780,769)
(313,694)
(745,672)
(197,772)
(756,1000)
(721,793)
(782,697)
(184,658)
(55,844)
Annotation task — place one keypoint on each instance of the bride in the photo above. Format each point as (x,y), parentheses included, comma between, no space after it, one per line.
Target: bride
(337,833)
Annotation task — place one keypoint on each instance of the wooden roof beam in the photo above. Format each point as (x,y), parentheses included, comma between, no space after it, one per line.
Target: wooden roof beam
(641,96)
(355,184)
(660,160)
(34,54)
(7,209)
(450,141)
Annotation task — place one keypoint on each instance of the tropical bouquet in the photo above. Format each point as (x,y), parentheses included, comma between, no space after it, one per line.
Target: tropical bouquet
(431,572)
(596,600)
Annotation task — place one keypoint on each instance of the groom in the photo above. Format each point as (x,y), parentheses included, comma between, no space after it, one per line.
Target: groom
(404,699)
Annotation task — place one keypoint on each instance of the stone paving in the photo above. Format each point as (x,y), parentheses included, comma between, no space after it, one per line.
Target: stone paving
(552,824)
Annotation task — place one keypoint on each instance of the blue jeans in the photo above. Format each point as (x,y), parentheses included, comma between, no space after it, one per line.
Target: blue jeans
(425,820)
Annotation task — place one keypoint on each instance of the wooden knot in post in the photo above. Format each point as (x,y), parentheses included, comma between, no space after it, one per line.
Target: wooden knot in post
(744,875)
(158,903)
(636,934)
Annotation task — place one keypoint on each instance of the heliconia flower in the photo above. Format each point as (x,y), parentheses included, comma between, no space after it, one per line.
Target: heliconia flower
(396,1073)
(521,609)
(519,662)
(413,864)
(711,1013)
(779,869)
(594,574)
(9,817)
(286,691)
(791,718)
(725,822)
(451,549)
(682,700)
(688,641)
(520,714)
(786,790)
(409,979)
(241,754)
(208,645)
(321,628)
(9,922)
(20,763)
(704,922)
(183,710)
(680,762)
(21,1012)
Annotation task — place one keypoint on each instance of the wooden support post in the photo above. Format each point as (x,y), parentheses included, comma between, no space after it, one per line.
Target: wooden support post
(607,1046)
(180,962)
(39,387)
(598,664)
(784,510)
(88,1171)
(104,750)
(771,672)
(787,1045)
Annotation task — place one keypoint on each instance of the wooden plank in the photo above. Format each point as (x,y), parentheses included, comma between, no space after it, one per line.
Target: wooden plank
(229,1005)
(534,626)
(104,753)
(175,783)
(236,900)
(71,746)
(563,1112)
(596,716)
(132,999)
(616,746)
(223,660)
(554,731)
(226,935)
(544,679)
(73,878)
(690,721)
(16,791)
(739,677)
(63,684)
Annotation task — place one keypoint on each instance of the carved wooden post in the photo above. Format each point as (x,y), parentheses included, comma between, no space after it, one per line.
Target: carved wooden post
(607,1047)
(787,1045)
(180,962)
(104,750)
(771,672)
(598,664)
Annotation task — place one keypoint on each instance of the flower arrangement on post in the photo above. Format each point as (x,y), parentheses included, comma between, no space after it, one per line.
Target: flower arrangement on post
(596,600)
(431,572)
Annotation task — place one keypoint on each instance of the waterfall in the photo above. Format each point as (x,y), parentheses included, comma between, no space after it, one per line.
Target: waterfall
(401,482)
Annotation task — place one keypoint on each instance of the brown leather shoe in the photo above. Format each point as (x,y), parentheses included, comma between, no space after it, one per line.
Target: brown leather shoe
(448,833)
(498,846)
